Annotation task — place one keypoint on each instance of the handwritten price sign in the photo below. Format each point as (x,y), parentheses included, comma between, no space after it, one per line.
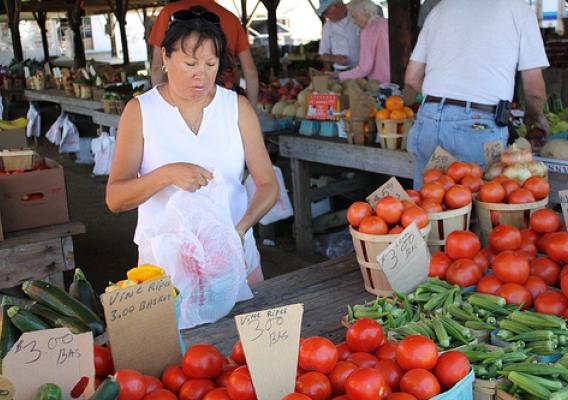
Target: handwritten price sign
(492,152)
(440,159)
(390,188)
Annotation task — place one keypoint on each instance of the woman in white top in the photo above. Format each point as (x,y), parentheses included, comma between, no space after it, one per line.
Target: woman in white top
(173,136)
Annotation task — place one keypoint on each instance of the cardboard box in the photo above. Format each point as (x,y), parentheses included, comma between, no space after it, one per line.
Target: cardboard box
(13,139)
(33,199)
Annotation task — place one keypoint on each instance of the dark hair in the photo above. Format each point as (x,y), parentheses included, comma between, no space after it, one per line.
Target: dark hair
(198,20)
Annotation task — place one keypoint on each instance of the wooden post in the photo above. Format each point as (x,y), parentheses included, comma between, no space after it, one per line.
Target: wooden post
(303,229)
(403,31)
(74,14)
(120,12)
(110,22)
(13,8)
(41,18)
(271,6)
(244,16)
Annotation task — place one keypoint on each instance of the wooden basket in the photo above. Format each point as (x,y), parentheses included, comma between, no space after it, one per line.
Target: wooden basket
(361,131)
(445,222)
(393,133)
(17,160)
(511,214)
(367,248)
(77,89)
(86,92)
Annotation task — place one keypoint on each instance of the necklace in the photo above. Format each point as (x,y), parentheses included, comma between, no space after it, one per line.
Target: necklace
(193,123)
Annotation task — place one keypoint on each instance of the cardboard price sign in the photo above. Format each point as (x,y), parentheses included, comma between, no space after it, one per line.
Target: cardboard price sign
(267,336)
(51,355)
(138,317)
(563,195)
(390,188)
(7,389)
(406,261)
(440,159)
(492,152)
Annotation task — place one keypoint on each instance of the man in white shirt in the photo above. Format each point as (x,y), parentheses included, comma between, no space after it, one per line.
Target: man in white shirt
(464,63)
(339,44)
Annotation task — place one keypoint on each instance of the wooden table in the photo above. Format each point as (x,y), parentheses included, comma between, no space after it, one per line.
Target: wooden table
(325,290)
(38,253)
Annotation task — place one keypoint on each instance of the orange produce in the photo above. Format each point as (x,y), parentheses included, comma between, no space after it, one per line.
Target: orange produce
(472,182)
(395,230)
(544,221)
(433,191)
(430,206)
(397,115)
(393,103)
(457,196)
(500,178)
(389,209)
(357,211)
(373,225)
(492,192)
(446,181)
(458,170)
(538,186)
(521,196)
(414,195)
(536,286)
(476,170)
(432,175)
(414,214)
(463,272)
(408,203)
(510,185)
(515,293)
(439,264)
(511,267)
(409,112)
(482,261)
(505,237)
(489,284)
(382,114)
(462,244)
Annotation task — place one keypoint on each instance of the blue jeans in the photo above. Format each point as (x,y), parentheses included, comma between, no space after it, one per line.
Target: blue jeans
(451,127)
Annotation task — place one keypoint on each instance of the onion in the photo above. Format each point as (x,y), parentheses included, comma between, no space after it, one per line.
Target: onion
(537,168)
(278,108)
(518,172)
(515,155)
(494,171)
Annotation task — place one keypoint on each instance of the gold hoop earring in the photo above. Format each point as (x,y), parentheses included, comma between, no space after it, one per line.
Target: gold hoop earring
(164,69)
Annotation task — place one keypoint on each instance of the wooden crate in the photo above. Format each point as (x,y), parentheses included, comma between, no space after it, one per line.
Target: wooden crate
(17,159)
(445,222)
(361,131)
(393,133)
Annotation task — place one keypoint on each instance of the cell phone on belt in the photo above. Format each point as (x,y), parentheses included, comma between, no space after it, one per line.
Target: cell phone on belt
(503,113)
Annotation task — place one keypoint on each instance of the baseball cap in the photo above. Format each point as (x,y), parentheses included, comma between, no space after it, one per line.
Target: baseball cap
(324,5)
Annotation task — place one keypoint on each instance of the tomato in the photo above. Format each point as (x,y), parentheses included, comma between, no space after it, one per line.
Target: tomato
(536,286)
(494,218)
(413,195)
(401,396)
(160,394)
(317,354)
(446,181)
(476,170)
(516,294)
(564,284)
(420,383)
(296,396)
(488,253)
(538,186)
(365,334)
(472,183)
(430,206)
(432,175)
(238,354)
(434,191)
(489,284)
(458,170)
(357,211)
(152,383)
(511,267)
(103,361)
(202,361)
(342,397)
(373,225)
(363,360)
(457,196)
(221,394)
(222,380)
(528,234)
(315,385)
(529,248)
(414,214)
(544,221)
(462,244)
(339,376)
(521,196)
(505,237)
(547,269)
(563,272)
(407,204)
(542,241)
(173,377)
(240,385)
(366,384)
(132,385)
(395,230)
(481,262)
(439,264)
(510,186)
(391,372)
(492,192)
(390,209)
(557,247)
(463,272)
(343,351)
(451,368)
(195,389)
(387,351)
(551,302)
(416,352)
(500,179)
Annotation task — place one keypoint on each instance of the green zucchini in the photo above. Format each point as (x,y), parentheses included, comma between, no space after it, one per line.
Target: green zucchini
(107,390)
(55,319)
(63,303)
(25,321)
(48,391)
(9,334)
(82,290)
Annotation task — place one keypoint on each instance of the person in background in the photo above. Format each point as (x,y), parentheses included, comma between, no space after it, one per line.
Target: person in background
(339,43)
(374,61)
(464,62)
(237,44)
(425,9)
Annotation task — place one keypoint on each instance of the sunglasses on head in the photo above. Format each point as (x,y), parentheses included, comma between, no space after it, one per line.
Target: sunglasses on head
(193,13)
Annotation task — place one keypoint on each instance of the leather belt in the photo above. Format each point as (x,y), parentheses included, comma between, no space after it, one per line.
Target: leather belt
(461,103)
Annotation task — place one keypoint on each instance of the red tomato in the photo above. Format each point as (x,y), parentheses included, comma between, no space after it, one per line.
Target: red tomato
(173,377)
(343,351)
(446,181)
(238,354)
(195,389)
(511,267)
(315,385)
(529,248)
(451,368)
(481,261)
(489,284)
(357,212)
(363,360)
(521,196)
(365,334)
(387,351)
(296,396)
(401,396)
(563,272)
(160,394)
(373,225)
(391,372)
(494,217)
(459,170)
(221,394)
(240,385)
(516,294)
(202,361)
(564,283)
(473,183)
(510,186)
(395,230)
(366,384)
(434,191)
(542,241)
(317,354)
(432,175)
(530,235)
(538,186)
(557,247)
(476,170)
(222,380)
(505,237)
(544,221)
(339,376)
(413,195)
(536,286)
(103,361)
(462,244)
(439,264)
(457,196)
(547,269)
(132,385)
(407,204)
(342,397)
(390,209)
(416,352)
(488,253)
(492,192)
(430,206)
(414,214)
(551,302)
(152,384)
(420,383)
(463,272)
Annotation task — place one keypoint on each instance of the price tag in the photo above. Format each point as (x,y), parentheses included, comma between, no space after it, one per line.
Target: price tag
(267,336)
(57,72)
(391,188)
(7,390)
(52,355)
(138,318)
(492,152)
(440,159)
(27,73)
(92,71)
(406,261)
(563,195)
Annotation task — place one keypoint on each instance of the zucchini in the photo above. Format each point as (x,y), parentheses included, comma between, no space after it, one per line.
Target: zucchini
(25,321)
(107,390)
(9,334)
(57,320)
(82,290)
(63,303)
(48,391)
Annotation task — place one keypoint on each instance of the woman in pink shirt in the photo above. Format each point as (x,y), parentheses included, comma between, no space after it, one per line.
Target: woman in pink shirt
(374,60)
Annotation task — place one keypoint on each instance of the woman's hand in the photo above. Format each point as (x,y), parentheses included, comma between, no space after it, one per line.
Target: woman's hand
(186,176)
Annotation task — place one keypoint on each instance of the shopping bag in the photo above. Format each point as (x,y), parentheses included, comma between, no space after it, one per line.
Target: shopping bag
(103,150)
(69,137)
(34,122)
(54,132)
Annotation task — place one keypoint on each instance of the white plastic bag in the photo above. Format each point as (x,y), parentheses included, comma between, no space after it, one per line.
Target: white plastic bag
(196,243)
(103,150)
(34,122)
(282,209)
(69,137)
(54,132)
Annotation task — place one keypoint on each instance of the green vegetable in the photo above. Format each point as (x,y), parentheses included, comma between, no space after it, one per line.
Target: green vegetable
(25,321)
(537,320)
(82,290)
(55,319)
(107,390)
(529,385)
(9,334)
(442,337)
(48,391)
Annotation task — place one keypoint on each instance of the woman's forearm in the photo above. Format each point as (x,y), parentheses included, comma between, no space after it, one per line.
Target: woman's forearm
(264,198)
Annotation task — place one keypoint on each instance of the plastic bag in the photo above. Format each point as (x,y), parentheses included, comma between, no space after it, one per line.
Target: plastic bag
(34,122)
(69,137)
(103,150)
(282,209)
(54,132)
(197,245)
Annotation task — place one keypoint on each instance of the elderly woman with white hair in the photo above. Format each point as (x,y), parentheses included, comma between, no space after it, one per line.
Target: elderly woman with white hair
(374,59)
